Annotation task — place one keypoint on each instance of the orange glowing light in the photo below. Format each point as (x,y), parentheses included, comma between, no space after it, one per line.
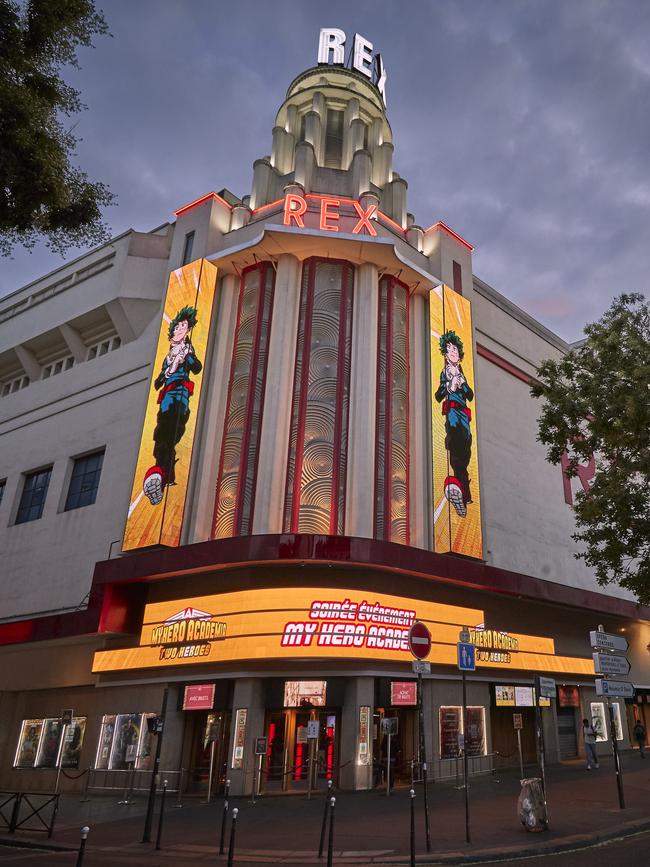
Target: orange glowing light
(294,207)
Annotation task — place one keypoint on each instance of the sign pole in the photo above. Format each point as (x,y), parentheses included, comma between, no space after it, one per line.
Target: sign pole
(311,768)
(521,755)
(388,766)
(423,760)
(465,770)
(209,795)
(540,744)
(617,758)
(146,835)
(60,762)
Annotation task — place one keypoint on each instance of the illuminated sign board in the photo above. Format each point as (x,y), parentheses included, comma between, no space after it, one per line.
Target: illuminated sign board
(199,696)
(493,646)
(311,623)
(157,504)
(331,49)
(329,213)
(456,490)
(403,693)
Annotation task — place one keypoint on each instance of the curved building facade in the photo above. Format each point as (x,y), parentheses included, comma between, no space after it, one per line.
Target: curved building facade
(293,424)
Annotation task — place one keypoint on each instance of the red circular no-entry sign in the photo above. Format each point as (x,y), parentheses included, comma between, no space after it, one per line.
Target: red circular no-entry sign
(419,640)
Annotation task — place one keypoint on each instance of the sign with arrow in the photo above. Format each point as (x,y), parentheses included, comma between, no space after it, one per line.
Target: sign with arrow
(607,663)
(607,641)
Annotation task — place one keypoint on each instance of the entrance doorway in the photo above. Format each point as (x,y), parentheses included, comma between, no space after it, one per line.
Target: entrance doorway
(290,753)
(566,730)
(209,737)
(403,746)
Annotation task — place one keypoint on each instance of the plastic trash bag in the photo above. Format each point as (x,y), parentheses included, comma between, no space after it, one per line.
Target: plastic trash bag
(531,806)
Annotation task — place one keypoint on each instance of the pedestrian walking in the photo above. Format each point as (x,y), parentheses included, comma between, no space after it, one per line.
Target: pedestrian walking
(639,735)
(589,734)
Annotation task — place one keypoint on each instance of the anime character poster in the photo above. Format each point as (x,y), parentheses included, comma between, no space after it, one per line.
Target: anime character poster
(456,501)
(157,503)
(28,743)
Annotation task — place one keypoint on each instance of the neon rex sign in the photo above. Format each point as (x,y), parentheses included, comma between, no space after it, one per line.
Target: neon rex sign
(329,213)
(331,49)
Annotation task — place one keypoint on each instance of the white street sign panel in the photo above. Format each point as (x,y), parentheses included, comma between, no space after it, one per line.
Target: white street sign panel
(312,728)
(606,641)
(547,687)
(421,667)
(606,663)
(620,688)
(517,721)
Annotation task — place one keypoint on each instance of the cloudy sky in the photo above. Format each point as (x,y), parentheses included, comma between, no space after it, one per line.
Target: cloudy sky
(523,124)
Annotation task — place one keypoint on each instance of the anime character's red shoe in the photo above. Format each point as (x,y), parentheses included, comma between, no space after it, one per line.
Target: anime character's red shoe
(154,481)
(454,493)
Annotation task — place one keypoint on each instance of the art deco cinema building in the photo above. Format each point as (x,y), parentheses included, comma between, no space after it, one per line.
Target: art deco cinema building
(242,453)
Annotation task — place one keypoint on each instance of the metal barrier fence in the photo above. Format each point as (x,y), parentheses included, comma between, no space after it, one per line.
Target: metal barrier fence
(130,782)
(28,811)
(451,770)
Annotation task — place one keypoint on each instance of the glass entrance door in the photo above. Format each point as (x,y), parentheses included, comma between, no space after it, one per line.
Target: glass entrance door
(291,752)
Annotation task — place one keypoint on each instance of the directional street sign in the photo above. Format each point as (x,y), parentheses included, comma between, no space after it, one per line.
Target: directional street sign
(606,641)
(419,640)
(607,663)
(622,688)
(421,667)
(466,656)
(547,687)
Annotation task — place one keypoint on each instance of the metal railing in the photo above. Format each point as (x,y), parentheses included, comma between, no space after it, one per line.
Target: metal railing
(130,782)
(28,811)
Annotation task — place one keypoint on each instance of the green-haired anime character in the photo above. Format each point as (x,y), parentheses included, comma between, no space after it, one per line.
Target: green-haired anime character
(455,392)
(174,388)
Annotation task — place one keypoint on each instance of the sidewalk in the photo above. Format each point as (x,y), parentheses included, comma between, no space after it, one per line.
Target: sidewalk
(370,827)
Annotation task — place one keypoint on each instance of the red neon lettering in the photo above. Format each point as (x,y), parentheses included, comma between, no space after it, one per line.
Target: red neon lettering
(364,219)
(294,207)
(326,214)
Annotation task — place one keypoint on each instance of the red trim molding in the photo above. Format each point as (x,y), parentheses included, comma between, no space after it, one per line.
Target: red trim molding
(200,201)
(222,554)
(443,227)
(517,372)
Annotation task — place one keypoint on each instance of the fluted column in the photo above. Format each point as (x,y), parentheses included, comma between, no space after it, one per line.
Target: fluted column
(202,489)
(420,472)
(276,419)
(360,491)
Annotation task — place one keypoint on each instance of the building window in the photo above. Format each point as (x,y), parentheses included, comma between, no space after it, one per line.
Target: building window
(33,497)
(187,248)
(392,445)
(316,472)
(458,277)
(40,743)
(3,485)
(84,481)
(334,139)
(15,385)
(233,515)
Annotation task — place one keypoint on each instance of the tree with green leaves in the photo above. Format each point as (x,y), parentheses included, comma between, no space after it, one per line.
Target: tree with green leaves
(43,194)
(597,405)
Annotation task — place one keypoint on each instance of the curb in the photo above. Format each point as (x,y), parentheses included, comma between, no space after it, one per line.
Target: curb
(26,843)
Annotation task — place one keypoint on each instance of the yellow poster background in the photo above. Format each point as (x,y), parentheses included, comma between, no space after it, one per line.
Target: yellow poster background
(255,621)
(449,311)
(192,285)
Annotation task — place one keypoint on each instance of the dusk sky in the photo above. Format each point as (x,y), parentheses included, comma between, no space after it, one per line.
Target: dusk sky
(525,126)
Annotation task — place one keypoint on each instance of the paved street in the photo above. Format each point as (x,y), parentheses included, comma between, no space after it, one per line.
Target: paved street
(371,828)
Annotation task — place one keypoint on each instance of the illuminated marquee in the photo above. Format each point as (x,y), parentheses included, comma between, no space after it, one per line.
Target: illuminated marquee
(493,646)
(317,623)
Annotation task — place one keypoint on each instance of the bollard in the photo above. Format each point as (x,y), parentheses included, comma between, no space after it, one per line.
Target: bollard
(412,794)
(231,847)
(85,798)
(162,813)
(82,846)
(330,842)
(224,816)
(324,825)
